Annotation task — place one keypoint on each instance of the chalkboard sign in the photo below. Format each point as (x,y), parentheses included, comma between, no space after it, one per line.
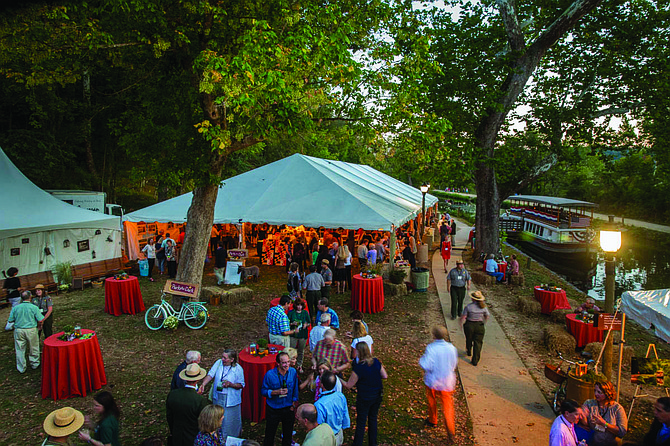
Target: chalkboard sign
(232,277)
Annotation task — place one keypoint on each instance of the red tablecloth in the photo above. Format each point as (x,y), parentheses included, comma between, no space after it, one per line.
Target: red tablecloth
(71,368)
(551,300)
(123,296)
(502,267)
(255,368)
(584,332)
(274,302)
(367,295)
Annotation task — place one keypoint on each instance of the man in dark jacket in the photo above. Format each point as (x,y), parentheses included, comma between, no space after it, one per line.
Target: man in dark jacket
(192,356)
(184,406)
(659,432)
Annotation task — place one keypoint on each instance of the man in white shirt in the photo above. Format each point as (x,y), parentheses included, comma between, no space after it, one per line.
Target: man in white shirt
(316,334)
(439,364)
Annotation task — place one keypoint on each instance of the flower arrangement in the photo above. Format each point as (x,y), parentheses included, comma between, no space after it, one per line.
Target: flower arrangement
(71,333)
(122,276)
(171,322)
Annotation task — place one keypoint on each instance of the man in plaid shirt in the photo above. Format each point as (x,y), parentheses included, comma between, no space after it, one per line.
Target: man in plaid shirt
(278,323)
(333,350)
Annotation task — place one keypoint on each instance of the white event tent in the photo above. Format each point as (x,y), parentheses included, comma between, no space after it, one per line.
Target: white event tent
(647,308)
(38,230)
(300,190)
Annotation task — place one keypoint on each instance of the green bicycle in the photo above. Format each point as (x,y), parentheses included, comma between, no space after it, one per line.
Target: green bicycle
(194,314)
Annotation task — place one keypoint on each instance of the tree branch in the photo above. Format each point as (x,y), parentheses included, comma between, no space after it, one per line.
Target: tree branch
(507,10)
(542,167)
(616,110)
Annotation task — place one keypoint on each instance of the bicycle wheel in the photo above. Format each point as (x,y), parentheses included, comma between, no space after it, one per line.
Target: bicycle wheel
(559,396)
(154,317)
(195,315)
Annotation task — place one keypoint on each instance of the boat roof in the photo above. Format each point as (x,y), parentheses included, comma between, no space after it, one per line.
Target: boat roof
(553,201)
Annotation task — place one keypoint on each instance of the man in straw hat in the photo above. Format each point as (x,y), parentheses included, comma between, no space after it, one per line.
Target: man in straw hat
(184,406)
(60,424)
(474,316)
(26,317)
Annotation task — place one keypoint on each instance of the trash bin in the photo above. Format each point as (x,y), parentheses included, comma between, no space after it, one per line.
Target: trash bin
(422,253)
(144,267)
(420,279)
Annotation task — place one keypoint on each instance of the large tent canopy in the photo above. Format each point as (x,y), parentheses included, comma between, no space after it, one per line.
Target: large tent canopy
(303,190)
(649,308)
(32,220)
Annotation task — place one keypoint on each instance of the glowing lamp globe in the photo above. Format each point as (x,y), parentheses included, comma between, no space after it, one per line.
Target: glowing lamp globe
(610,241)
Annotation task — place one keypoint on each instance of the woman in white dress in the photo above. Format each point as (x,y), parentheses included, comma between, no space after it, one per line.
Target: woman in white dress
(228,378)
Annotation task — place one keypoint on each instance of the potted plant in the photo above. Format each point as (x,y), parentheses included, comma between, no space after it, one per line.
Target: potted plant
(63,273)
(262,345)
(397,276)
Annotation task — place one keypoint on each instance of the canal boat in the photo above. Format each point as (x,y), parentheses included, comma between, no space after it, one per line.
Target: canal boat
(556,227)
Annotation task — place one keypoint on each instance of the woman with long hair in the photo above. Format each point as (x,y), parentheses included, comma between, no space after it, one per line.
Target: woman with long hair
(150,251)
(228,377)
(171,258)
(314,379)
(293,283)
(367,375)
(210,422)
(340,273)
(106,432)
(360,334)
(474,316)
(604,417)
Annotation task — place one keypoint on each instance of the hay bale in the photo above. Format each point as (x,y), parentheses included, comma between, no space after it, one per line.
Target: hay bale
(518,280)
(392,289)
(528,305)
(481,278)
(558,316)
(628,352)
(207,292)
(237,295)
(557,338)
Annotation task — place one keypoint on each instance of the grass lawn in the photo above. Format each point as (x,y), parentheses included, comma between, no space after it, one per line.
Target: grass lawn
(139,363)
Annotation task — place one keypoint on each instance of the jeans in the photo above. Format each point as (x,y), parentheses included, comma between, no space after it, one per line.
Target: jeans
(161,264)
(273,417)
(498,276)
(367,411)
(152,262)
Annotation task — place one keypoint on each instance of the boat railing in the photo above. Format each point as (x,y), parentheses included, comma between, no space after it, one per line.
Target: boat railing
(562,218)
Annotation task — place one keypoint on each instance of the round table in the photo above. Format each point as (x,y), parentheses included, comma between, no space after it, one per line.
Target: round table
(367,295)
(584,332)
(123,296)
(255,368)
(551,300)
(502,268)
(71,368)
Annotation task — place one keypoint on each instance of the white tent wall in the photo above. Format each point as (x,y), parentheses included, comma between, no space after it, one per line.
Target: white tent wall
(647,308)
(32,258)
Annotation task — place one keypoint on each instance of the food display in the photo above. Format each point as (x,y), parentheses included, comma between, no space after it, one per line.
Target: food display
(122,276)
(71,333)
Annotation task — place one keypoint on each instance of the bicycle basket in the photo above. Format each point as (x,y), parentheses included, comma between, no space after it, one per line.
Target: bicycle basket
(553,373)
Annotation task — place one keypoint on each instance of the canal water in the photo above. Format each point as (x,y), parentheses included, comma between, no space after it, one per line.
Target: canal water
(642,263)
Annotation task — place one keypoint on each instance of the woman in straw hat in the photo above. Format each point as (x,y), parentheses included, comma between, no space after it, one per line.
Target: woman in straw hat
(474,316)
(106,432)
(60,424)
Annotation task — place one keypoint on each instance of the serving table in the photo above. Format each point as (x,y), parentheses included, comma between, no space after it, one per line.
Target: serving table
(71,368)
(584,332)
(255,368)
(551,300)
(123,296)
(367,295)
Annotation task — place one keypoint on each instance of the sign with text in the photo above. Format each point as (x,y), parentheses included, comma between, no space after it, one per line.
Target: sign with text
(605,321)
(181,288)
(238,253)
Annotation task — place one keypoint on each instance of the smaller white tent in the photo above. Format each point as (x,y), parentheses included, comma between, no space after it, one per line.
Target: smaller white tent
(647,308)
(33,220)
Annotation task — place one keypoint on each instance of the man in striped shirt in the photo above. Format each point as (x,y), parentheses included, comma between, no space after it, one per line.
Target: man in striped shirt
(333,350)
(278,323)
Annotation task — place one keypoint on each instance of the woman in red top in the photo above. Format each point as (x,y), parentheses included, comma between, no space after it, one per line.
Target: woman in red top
(446,253)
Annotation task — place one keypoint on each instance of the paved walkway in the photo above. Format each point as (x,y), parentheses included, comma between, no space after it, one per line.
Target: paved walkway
(505,404)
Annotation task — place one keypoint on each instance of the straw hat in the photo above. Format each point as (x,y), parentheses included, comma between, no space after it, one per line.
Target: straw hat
(193,372)
(325,261)
(39,286)
(478,296)
(63,422)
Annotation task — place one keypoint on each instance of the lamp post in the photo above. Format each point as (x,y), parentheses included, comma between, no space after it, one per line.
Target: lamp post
(610,242)
(424,191)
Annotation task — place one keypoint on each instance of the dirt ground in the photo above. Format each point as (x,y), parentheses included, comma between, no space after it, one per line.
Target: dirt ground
(525,332)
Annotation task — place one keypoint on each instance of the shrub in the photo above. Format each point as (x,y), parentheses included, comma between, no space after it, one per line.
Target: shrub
(63,272)
(397,276)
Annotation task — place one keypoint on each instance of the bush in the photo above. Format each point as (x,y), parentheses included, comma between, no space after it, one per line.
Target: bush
(63,272)
(397,276)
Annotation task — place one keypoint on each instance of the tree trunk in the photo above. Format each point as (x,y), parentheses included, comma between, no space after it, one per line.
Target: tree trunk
(488,210)
(200,220)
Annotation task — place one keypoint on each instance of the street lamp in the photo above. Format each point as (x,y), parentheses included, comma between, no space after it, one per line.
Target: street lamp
(424,190)
(610,242)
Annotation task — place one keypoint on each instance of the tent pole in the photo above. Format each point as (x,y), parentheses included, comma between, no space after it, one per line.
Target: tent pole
(392,247)
(621,345)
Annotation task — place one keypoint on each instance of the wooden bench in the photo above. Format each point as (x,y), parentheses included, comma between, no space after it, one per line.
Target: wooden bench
(89,271)
(30,281)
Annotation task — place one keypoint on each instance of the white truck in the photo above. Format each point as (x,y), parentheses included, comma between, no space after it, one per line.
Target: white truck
(93,201)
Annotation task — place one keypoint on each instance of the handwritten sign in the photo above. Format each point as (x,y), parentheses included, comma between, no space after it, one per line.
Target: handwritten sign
(181,289)
(605,321)
(238,253)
